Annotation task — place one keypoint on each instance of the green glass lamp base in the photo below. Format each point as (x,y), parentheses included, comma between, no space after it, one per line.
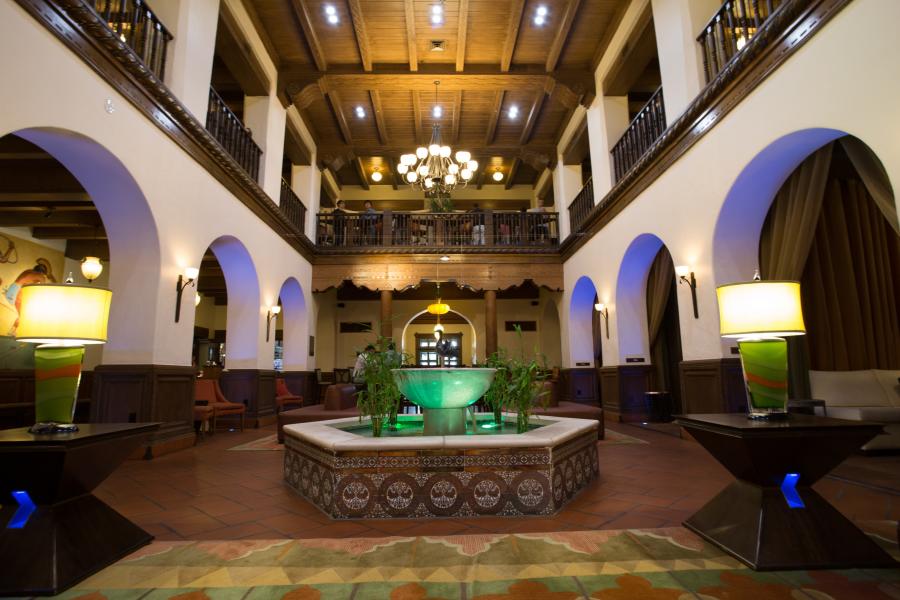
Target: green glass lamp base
(57,373)
(765,366)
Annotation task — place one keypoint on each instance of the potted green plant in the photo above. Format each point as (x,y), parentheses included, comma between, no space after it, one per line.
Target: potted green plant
(516,386)
(497,396)
(380,397)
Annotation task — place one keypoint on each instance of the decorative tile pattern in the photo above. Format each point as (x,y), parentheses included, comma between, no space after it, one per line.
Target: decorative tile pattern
(440,483)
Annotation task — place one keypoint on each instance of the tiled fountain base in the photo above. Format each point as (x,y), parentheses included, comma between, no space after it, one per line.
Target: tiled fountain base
(351,477)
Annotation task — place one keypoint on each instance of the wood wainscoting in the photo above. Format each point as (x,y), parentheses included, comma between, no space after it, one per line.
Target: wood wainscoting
(146,394)
(302,383)
(622,388)
(714,385)
(579,385)
(255,389)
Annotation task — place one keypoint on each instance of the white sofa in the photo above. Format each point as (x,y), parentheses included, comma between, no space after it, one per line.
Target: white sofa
(871,395)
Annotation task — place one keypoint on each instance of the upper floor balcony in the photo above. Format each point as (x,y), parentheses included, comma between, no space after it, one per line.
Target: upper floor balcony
(487,231)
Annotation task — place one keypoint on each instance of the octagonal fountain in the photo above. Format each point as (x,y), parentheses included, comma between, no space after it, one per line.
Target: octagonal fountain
(445,462)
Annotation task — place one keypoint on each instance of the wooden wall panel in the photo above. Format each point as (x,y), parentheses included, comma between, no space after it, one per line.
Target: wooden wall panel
(622,389)
(712,386)
(580,385)
(254,388)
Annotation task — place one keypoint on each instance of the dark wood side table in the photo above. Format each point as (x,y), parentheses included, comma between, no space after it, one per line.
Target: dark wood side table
(71,534)
(764,519)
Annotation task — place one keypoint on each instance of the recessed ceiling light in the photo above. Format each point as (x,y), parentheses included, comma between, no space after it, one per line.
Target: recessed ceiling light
(513,111)
(540,15)
(331,14)
(437,14)
(437,112)
(360,112)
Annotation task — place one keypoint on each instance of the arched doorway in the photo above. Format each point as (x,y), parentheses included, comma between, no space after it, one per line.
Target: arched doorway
(418,337)
(583,340)
(295,326)
(648,317)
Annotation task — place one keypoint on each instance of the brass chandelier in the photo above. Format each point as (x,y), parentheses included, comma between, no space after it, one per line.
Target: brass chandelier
(435,169)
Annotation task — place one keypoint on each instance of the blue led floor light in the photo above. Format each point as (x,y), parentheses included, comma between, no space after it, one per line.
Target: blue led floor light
(789,489)
(26,507)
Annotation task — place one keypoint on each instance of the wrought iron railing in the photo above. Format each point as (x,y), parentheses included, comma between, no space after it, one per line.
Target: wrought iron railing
(581,206)
(225,126)
(730,29)
(644,129)
(140,28)
(291,206)
(437,230)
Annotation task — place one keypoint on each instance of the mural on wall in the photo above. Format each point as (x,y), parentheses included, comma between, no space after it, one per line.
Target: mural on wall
(21,262)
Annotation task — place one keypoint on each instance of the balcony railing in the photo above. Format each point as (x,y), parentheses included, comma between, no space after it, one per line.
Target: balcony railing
(224,125)
(729,30)
(137,26)
(581,206)
(645,128)
(291,206)
(437,230)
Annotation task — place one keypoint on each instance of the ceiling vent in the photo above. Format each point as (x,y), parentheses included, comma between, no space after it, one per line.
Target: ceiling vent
(438,45)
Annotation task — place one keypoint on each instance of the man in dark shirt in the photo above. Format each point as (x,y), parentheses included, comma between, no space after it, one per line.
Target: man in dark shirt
(477,225)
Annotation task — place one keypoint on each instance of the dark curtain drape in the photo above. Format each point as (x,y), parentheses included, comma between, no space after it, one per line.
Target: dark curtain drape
(596,334)
(662,325)
(827,230)
(851,284)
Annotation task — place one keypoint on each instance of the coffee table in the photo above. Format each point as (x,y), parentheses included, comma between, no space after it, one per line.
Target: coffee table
(53,531)
(771,518)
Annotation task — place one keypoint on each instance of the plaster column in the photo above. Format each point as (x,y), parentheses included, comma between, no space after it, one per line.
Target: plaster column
(607,120)
(677,24)
(490,322)
(193,24)
(387,321)
(566,185)
(306,181)
(265,118)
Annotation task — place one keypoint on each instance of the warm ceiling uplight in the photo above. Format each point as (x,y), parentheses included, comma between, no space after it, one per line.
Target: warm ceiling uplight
(376,175)
(331,14)
(91,268)
(540,15)
(360,112)
(513,112)
(437,14)
(498,175)
(445,258)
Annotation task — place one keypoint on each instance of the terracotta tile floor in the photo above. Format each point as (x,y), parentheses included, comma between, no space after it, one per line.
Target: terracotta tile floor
(210,493)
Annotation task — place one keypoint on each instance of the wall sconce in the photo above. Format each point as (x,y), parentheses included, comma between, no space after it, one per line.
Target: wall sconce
(273,311)
(197,299)
(686,275)
(184,279)
(604,313)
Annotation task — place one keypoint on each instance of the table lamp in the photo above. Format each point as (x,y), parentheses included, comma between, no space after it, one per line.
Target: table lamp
(760,314)
(61,318)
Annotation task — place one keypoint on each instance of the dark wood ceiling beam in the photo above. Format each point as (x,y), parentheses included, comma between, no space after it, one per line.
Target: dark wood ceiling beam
(361,173)
(78,249)
(457,116)
(417,118)
(362,37)
(517,7)
(494,120)
(410,15)
(69,233)
(378,111)
(461,33)
(44,198)
(512,172)
(608,34)
(43,206)
(562,34)
(301,11)
(50,219)
(532,118)
(335,99)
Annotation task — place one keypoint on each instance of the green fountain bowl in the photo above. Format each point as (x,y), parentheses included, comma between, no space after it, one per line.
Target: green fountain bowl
(443,388)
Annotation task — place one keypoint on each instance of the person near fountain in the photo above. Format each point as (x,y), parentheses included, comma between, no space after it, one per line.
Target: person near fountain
(359,369)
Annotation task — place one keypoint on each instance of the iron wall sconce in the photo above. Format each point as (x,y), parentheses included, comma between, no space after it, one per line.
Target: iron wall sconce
(604,313)
(686,275)
(273,312)
(185,279)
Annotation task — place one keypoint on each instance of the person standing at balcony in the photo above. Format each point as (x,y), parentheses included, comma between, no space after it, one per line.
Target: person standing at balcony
(477,225)
(340,223)
(370,223)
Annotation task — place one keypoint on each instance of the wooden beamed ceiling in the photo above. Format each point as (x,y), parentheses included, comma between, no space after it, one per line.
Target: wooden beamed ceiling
(383,56)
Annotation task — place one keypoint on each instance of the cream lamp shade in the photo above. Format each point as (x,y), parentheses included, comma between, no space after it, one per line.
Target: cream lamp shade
(63,314)
(760,308)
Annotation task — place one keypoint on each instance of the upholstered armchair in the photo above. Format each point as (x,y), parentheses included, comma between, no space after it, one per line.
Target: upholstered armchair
(285,397)
(208,391)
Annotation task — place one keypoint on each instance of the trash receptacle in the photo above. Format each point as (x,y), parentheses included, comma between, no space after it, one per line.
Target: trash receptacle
(659,407)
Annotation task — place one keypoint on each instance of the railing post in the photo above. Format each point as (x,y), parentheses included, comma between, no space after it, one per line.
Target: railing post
(489,228)
(387,228)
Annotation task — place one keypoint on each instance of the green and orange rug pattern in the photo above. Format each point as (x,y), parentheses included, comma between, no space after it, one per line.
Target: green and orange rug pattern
(648,564)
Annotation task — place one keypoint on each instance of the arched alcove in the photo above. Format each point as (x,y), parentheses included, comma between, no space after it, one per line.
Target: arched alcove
(295,325)
(581,308)
(132,236)
(409,349)
(631,304)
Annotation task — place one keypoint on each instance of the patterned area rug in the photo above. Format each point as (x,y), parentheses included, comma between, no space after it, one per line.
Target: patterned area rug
(270,442)
(652,564)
